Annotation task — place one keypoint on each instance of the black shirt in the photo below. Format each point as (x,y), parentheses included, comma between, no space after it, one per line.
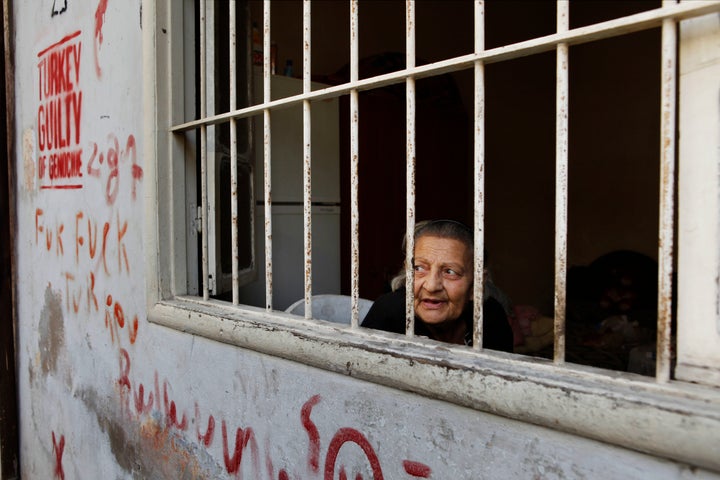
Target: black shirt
(388,314)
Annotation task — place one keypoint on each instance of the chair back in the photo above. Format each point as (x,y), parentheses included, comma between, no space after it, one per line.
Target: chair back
(333,308)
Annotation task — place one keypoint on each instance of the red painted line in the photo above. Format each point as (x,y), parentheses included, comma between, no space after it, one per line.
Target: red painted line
(57,44)
(60,187)
(312,431)
(417,469)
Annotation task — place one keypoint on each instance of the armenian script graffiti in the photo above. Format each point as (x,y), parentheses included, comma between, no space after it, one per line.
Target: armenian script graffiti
(136,405)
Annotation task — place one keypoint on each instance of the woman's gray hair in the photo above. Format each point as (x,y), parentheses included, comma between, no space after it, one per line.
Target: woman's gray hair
(445,229)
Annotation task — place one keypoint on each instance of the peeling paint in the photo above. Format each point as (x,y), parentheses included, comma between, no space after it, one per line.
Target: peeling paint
(51,339)
(149,449)
(28,153)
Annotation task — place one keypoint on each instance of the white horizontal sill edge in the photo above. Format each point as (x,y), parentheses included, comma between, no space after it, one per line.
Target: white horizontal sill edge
(675,421)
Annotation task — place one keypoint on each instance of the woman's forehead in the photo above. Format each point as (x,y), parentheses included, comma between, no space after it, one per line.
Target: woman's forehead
(442,249)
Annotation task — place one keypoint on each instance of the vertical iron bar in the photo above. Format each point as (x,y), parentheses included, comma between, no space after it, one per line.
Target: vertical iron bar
(479,152)
(354,162)
(267,136)
(307,178)
(667,195)
(561,182)
(203,153)
(233,155)
(410,169)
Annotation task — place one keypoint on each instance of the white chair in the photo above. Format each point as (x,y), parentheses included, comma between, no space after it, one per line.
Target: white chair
(333,308)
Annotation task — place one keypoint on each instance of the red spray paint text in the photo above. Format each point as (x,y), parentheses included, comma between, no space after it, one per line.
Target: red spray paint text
(59,114)
(245,439)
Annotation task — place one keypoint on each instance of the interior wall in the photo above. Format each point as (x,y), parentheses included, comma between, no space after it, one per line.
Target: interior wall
(614,124)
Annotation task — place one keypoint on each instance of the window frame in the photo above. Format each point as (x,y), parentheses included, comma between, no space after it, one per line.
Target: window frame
(680,419)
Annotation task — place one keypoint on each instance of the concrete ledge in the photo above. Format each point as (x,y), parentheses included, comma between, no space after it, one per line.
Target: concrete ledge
(676,421)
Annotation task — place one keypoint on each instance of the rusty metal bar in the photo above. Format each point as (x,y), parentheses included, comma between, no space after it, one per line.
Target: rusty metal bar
(576,36)
(233,155)
(410,168)
(203,153)
(561,182)
(307,158)
(667,195)
(479,153)
(267,155)
(354,163)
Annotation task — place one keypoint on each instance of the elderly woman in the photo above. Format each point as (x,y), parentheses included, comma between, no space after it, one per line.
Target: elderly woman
(443,291)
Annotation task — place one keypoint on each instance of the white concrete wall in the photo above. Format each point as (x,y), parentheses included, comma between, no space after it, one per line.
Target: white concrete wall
(105,394)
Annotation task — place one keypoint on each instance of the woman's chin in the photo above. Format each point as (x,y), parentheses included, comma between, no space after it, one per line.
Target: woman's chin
(434,317)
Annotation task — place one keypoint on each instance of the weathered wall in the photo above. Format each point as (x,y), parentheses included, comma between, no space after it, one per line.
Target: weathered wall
(105,394)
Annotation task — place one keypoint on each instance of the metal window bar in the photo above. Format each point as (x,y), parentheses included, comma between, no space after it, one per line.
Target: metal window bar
(576,36)
(410,167)
(666,17)
(233,154)
(354,163)
(479,192)
(203,151)
(561,181)
(667,195)
(307,159)
(267,157)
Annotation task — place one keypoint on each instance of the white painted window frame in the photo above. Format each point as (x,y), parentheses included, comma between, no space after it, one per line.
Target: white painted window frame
(667,418)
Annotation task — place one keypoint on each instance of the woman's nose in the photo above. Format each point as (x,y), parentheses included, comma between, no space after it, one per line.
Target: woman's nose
(433,282)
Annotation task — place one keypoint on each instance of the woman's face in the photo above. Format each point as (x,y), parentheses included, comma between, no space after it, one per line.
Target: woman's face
(443,278)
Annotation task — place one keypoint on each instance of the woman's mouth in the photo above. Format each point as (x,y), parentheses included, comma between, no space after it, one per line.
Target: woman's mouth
(432,303)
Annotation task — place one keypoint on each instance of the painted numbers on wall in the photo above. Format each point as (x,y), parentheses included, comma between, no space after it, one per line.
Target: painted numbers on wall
(108,162)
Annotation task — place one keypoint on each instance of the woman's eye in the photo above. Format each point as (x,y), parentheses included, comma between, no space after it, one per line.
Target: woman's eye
(418,268)
(451,272)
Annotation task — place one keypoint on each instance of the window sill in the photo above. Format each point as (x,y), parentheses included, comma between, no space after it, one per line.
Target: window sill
(677,421)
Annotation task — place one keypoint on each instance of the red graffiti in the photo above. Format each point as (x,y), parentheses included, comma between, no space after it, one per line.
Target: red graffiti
(140,406)
(242,439)
(50,233)
(99,21)
(312,431)
(58,449)
(59,128)
(245,440)
(75,289)
(80,240)
(136,170)
(56,232)
(59,114)
(171,411)
(74,293)
(119,314)
(351,435)
(124,380)
(106,230)
(115,320)
(207,437)
(417,469)
(133,330)
(122,251)
(50,237)
(110,160)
